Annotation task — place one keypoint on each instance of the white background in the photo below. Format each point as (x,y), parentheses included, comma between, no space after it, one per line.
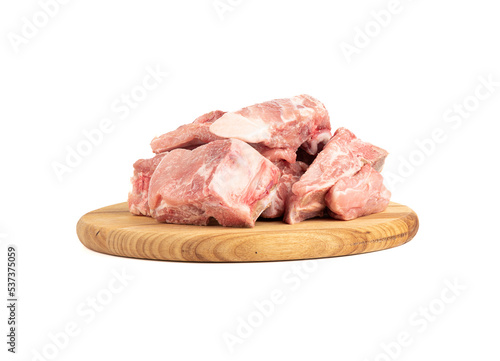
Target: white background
(394,92)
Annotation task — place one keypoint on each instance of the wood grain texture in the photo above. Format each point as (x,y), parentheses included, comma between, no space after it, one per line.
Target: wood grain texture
(113,230)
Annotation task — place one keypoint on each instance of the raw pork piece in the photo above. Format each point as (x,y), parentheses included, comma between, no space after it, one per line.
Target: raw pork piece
(188,136)
(281,123)
(343,156)
(359,195)
(138,196)
(224,179)
(335,161)
(290,173)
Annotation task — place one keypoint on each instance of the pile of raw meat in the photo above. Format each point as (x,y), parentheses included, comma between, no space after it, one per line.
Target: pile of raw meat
(276,159)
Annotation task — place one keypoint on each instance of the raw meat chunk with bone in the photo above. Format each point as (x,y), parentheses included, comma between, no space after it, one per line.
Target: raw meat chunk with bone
(225,179)
(343,156)
(280,123)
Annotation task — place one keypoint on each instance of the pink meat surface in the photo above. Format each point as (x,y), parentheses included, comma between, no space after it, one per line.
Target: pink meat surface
(335,161)
(290,173)
(189,135)
(359,195)
(368,153)
(281,123)
(343,156)
(224,179)
(138,196)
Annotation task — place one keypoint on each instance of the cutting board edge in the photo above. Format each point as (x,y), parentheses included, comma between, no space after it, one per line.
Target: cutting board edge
(98,239)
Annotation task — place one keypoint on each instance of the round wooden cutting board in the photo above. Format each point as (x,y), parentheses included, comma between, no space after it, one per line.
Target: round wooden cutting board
(114,230)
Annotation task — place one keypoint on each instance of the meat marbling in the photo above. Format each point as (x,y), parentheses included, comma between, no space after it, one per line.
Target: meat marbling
(369,153)
(359,195)
(224,179)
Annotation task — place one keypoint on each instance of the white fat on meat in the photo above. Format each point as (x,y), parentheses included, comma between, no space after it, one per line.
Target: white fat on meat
(233,125)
